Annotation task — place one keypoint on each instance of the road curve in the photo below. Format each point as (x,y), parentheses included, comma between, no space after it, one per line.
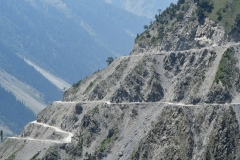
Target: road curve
(68,139)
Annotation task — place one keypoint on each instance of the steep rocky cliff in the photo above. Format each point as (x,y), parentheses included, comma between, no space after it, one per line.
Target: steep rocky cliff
(175,97)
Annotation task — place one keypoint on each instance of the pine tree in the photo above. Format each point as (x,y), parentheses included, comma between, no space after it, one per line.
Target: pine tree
(109,60)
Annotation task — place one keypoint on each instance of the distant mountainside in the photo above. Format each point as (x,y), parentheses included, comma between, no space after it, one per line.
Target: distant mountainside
(71,39)
(13,114)
(18,68)
(146,8)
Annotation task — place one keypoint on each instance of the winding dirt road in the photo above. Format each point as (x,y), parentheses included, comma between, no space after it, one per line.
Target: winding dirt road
(68,139)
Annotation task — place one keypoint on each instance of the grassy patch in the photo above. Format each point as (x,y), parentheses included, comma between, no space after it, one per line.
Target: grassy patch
(224,12)
(226,68)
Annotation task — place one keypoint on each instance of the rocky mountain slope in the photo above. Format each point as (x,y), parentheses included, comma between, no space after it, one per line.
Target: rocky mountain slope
(171,98)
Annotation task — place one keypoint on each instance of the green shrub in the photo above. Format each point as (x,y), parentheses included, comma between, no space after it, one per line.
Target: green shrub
(95,110)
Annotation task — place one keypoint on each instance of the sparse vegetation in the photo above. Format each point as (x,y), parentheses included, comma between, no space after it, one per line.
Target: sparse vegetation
(12,157)
(140,37)
(226,13)
(120,68)
(35,156)
(112,135)
(80,144)
(95,110)
(172,14)
(77,84)
(48,150)
(90,157)
(226,68)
